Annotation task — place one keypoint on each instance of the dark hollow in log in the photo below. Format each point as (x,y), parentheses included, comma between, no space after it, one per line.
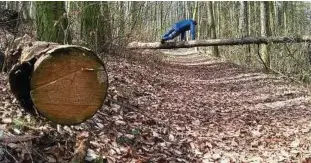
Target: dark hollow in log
(218,42)
(19,79)
(67,83)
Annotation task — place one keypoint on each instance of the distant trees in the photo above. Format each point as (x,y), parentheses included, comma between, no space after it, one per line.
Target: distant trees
(102,25)
(231,19)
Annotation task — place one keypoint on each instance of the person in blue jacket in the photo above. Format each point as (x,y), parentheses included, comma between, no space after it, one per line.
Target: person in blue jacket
(180,28)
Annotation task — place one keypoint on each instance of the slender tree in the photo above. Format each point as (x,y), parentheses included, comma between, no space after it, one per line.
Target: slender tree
(213,27)
(264,24)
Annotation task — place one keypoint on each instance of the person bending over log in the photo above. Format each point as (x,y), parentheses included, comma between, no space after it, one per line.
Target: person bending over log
(180,28)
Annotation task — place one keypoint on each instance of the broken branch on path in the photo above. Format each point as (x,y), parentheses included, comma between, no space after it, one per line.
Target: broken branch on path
(218,42)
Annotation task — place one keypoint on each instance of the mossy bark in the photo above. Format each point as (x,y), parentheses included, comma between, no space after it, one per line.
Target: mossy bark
(95,25)
(51,21)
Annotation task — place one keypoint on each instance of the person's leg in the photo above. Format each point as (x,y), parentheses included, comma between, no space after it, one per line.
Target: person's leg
(166,36)
(182,36)
(174,35)
(169,32)
(171,36)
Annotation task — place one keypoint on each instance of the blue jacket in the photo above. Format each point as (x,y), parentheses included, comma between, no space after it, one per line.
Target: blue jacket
(184,26)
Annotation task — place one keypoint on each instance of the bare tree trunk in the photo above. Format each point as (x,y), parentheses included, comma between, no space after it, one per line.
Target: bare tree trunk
(121,19)
(244,27)
(32,9)
(213,27)
(242,19)
(218,19)
(264,24)
(195,16)
(273,18)
(161,17)
(285,17)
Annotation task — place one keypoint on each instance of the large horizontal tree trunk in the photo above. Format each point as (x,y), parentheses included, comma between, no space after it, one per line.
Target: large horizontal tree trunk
(67,84)
(218,42)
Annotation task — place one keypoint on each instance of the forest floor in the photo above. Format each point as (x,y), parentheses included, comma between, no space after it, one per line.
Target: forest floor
(184,107)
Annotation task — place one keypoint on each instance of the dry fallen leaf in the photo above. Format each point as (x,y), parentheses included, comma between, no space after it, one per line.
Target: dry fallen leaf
(256,133)
(171,137)
(295,143)
(7,120)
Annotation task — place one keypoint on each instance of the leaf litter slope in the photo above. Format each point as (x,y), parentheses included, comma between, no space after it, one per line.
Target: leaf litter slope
(199,108)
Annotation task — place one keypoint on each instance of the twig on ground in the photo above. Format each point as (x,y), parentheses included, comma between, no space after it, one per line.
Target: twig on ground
(10,155)
(17,139)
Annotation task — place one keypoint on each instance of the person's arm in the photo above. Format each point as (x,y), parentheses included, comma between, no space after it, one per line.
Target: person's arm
(192,30)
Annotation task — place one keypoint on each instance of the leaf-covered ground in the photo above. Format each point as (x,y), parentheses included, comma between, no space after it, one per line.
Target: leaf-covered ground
(188,108)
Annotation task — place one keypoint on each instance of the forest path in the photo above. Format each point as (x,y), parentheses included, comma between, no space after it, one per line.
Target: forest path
(205,109)
(189,107)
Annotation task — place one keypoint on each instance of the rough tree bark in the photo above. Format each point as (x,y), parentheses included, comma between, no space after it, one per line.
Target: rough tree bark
(264,30)
(65,83)
(122,20)
(244,28)
(213,27)
(284,6)
(196,17)
(51,21)
(95,25)
(218,42)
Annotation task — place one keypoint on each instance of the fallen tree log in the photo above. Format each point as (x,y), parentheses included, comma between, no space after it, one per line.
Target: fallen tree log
(218,42)
(65,83)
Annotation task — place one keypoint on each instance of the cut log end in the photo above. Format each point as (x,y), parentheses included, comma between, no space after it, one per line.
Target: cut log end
(69,84)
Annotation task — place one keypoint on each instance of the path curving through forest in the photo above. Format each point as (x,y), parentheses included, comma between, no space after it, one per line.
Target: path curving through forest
(201,109)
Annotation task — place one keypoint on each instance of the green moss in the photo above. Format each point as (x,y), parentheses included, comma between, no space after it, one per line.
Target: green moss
(50,21)
(95,26)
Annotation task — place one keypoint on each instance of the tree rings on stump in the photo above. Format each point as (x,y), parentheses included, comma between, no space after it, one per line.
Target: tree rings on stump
(69,84)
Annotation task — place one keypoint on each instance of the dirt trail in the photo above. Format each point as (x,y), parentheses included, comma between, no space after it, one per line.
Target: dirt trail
(216,111)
